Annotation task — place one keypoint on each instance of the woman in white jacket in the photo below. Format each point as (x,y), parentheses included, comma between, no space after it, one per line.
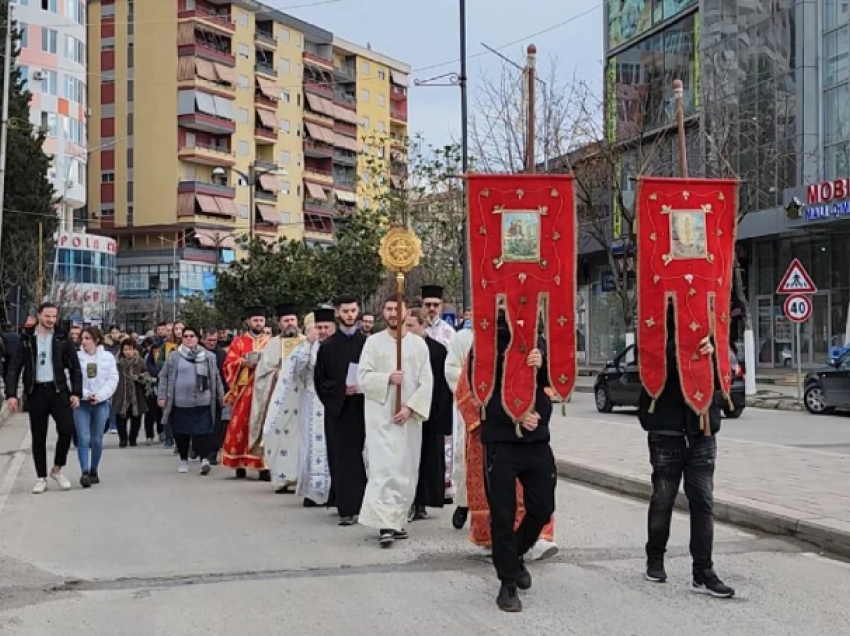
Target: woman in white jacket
(100,379)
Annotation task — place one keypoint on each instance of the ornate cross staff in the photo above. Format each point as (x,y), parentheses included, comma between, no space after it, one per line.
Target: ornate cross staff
(400,252)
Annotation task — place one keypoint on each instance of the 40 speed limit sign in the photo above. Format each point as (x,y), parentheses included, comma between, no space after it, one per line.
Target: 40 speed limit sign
(798,308)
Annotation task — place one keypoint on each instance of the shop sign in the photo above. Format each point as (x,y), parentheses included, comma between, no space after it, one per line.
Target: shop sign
(828,199)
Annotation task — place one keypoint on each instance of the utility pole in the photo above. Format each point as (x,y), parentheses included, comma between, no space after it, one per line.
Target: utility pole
(530,70)
(252,213)
(4,122)
(464,143)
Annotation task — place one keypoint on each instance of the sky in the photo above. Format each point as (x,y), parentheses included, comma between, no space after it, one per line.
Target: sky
(426,32)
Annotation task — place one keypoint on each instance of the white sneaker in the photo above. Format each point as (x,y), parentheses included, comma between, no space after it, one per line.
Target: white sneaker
(113,431)
(183,467)
(40,487)
(543,549)
(205,467)
(59,478)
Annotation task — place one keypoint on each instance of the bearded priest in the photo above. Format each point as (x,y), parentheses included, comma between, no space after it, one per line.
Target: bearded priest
(240,451)
(393,435)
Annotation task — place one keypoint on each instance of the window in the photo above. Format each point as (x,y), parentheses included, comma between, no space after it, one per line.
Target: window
(364,95)
(365,122)
(285,158)
(836,66)
(131,55)
(299,159)
(48,5)
(242,116)
(242,17)
(285,96)
(243,148)
(129,192)
(25,76)
(382,75)
(299,40)
(298,190)
(48,124)
(75,90)
(107,177)
(75,10)
(243,51)
(285,187)
(75,50)
(365,68)
(48,40)
(23,27)
(382,126)
(284,35)
(50,85)
(285,126)
(285,66)
(242,81)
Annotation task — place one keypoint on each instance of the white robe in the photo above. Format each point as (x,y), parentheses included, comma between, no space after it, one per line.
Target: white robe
(282,427)
(394,450)
(455,361)
(314,477)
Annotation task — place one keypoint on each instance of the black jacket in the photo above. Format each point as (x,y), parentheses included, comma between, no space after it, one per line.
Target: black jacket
(497,425)
(671,415)
(64,358)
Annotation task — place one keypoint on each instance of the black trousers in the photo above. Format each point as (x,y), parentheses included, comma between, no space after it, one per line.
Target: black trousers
(672,458)
(135,426)
(533,466)
(200,443)
(345,442)
(217,437)
(153,417)
(45,402)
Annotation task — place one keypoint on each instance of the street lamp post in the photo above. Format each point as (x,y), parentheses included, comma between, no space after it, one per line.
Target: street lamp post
(252,178)
(175,276)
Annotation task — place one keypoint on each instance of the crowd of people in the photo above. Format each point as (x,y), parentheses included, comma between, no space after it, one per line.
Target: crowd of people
(380,425)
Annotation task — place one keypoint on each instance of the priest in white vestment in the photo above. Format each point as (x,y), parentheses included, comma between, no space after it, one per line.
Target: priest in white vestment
(393,437)
(282,364)
(458,350)
(314,478)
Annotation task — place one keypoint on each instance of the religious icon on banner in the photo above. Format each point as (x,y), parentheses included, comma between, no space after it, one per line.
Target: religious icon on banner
(687,231)
(520,236)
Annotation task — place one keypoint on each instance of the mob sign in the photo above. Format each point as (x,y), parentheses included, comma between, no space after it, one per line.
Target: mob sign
(828,199)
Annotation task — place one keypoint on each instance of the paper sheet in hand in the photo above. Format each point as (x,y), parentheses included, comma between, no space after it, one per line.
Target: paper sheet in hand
(351,378)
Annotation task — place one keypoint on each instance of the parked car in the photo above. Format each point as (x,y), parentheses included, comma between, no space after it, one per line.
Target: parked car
(828,388)
(618,384)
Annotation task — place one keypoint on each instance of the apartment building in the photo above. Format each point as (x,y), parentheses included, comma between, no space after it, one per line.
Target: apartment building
(218,118)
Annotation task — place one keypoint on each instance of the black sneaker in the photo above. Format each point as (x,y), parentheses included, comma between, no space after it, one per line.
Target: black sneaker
(241,473)
(709,583)
(400,534)
(523,581)
(347,521)
(386,538)
(85,480)
(459,517)
(655,572)
(508,599)
(94,478)
(265,475)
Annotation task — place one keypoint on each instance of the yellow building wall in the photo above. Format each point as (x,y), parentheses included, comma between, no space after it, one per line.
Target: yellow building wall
(155,112)
(94,138)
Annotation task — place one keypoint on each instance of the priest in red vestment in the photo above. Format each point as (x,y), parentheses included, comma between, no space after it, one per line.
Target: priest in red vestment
(240,451)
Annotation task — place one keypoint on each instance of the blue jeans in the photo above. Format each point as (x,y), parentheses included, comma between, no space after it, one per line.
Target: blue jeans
(90,422)
(113,422)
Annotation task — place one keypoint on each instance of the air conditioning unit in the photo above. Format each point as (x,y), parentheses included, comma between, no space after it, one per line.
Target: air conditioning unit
(38,75)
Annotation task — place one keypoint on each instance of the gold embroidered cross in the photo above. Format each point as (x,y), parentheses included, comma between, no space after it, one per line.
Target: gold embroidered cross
(698,396)
(650,322)
(484,324)
(482,386)
(562,320)
(563,379)
(694,325)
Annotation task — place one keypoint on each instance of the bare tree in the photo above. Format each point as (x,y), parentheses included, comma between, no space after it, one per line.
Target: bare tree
(21,270)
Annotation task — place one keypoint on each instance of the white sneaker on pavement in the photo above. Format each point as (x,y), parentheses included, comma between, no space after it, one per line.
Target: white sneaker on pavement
(61,480)
(543,549)
(205,467)
(183,467)
(40,487)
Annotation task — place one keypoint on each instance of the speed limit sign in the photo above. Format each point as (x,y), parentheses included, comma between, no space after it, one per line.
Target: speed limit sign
(798,308)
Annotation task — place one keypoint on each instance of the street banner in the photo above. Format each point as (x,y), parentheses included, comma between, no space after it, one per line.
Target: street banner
(522,238)
(686,232)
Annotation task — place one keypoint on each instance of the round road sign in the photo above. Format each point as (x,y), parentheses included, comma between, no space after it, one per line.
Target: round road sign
(798,308)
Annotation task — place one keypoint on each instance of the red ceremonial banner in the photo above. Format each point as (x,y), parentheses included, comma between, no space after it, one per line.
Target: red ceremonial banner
(522,238)
(686,232)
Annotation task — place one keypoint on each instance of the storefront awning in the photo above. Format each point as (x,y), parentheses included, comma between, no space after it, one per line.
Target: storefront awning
(214,239)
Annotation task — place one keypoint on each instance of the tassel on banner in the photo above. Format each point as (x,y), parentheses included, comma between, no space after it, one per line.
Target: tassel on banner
(729,403)
(483,413)
(563,409)
(518,430)
(651,409)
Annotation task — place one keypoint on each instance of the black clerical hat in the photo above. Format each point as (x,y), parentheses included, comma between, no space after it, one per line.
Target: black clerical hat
(431,291)
(286,309)
(325,314)
(257,310)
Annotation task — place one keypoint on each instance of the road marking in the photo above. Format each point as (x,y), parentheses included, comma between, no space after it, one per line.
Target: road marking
(15,464)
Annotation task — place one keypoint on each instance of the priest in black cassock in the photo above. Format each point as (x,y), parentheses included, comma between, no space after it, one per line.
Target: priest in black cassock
(345,425)
(430,490)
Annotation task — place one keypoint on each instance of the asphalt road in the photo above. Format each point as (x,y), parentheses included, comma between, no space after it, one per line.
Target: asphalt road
(830,433)
(153,553)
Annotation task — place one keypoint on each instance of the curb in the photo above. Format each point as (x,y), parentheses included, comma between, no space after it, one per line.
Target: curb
(754,401)
(781,522)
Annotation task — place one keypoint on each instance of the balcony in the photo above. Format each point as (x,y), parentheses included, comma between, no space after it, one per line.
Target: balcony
(265,38)
(398,168)
(345,157)
(398,93)
(207,123)
(206,187)
(345,128)
(262,195)
(345,73)
(319,118)
(264,135)
(346,100)
(319,208)
(206,154)
(265,164)
(318,175)
(265,69)
(398,141)
(398,113)
(219,22)
(320,60)
(204,50)
(318,86)
(319,149)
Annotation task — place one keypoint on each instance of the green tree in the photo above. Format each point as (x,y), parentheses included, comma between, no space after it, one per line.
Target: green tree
(29,196)
(197,312)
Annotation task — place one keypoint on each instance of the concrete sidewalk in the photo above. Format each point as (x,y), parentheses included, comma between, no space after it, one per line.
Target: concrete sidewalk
(799,492)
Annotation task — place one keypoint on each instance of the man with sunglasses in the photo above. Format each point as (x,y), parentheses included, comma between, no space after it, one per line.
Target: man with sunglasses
(46,354)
